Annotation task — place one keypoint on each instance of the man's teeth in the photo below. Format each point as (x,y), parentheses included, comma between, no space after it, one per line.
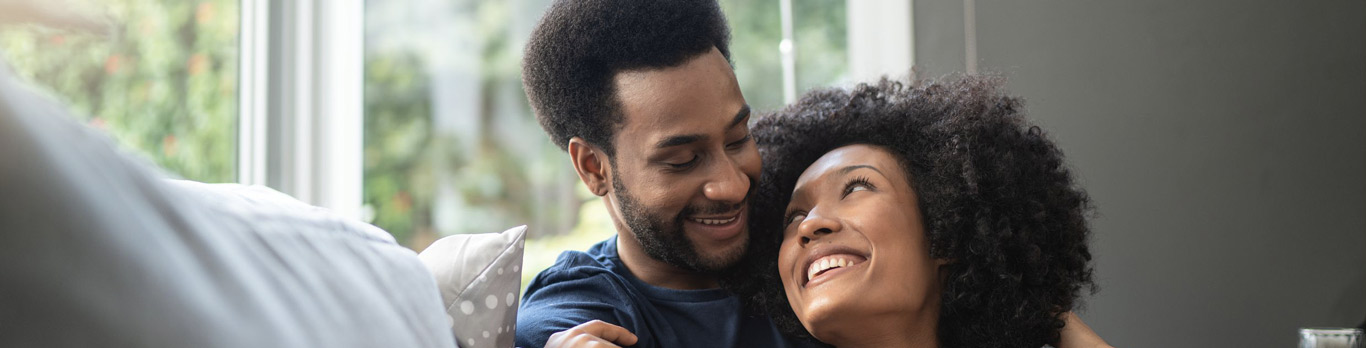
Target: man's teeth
(827,263)
(714,221)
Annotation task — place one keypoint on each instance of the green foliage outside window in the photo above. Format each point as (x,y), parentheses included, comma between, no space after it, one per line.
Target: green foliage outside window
(819,35)
(162,81)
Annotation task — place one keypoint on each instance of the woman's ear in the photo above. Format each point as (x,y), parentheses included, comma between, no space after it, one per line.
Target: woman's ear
(591,164)
(941,266)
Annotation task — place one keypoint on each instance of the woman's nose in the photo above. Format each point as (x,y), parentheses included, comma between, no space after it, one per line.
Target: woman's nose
(817,225)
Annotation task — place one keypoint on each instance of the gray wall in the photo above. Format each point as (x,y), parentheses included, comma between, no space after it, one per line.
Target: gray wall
(1224,143)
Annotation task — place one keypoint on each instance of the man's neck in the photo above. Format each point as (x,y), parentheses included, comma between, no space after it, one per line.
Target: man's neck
(656,272)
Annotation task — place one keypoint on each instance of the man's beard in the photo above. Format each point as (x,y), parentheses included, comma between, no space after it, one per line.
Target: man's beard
(664,240)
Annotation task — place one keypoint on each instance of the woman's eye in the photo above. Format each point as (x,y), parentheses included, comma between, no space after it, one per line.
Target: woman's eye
(857,184)
(794,217)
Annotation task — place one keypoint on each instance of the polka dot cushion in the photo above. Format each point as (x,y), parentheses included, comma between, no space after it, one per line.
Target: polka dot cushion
(479,276)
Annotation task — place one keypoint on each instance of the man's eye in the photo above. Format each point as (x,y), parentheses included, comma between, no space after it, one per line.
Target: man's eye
(684,165)
(738,143)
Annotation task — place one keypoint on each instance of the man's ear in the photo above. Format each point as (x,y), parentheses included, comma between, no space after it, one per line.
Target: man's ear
(591,164)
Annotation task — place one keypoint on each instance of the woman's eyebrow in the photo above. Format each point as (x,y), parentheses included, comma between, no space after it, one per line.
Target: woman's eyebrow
(851,168)
(797,192)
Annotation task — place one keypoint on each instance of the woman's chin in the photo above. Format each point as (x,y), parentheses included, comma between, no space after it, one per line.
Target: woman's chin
(851,318)
(823,319)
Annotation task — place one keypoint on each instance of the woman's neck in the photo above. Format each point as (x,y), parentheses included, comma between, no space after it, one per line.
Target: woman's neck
(893,340)
(901,332)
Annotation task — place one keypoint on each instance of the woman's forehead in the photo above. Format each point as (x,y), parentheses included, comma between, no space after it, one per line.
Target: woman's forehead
(847,159)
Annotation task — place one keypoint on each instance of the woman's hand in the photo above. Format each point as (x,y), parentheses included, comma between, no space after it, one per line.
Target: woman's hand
(1075,334)
(596,333)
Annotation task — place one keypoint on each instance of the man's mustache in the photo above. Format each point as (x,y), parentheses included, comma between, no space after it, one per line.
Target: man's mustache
(716,208)
(713,208)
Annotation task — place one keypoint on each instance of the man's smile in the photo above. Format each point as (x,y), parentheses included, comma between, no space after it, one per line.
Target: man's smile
(718,227)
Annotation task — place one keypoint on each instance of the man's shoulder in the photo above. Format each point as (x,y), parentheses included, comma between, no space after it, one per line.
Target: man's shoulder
(577,266)
(594,274)
(579,287)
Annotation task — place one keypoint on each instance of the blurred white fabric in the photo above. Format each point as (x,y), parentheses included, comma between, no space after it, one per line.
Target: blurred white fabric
(98,248)
(57,14)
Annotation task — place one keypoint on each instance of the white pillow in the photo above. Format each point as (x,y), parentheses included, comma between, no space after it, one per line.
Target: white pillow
(479,276)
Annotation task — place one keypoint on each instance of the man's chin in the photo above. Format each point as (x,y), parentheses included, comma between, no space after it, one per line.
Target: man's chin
(716,256)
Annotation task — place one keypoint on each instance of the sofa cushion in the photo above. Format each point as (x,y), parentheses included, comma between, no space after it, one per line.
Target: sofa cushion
(479,276)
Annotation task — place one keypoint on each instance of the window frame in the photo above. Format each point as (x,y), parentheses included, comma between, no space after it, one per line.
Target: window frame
(301,100)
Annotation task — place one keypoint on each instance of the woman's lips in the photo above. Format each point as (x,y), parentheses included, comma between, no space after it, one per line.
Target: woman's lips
(830,263)
(825,261)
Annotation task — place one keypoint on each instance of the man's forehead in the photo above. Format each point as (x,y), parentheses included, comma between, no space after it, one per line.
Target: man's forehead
(686,128)
(699,97)
(703,81)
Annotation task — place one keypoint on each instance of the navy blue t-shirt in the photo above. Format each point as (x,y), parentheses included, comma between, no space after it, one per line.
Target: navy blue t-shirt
(583,286)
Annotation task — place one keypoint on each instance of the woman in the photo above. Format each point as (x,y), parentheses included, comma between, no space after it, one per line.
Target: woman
(928,215)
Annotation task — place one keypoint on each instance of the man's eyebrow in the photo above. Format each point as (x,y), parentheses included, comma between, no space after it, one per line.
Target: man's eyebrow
(740,117)
(679,140)
(851,168)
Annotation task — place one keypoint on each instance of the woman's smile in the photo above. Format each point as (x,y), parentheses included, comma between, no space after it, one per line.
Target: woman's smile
(825,261)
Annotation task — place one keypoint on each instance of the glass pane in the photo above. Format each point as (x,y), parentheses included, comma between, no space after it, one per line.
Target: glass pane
(162,81)
(820,42)
(451,145)
(821,39)
(756,29)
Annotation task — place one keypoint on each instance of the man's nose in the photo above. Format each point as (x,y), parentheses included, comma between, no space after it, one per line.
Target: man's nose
(727,183)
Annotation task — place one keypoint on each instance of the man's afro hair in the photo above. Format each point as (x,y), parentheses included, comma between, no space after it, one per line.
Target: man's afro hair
(580,45)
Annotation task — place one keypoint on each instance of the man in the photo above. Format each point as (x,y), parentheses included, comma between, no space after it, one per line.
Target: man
(642,96)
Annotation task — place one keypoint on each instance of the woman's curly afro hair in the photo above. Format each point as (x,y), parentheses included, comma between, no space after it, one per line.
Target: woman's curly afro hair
(996,197)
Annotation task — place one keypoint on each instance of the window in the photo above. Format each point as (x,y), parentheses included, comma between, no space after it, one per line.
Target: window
(162,81)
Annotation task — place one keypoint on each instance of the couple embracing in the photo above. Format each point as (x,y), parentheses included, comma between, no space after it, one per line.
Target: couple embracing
(919,214)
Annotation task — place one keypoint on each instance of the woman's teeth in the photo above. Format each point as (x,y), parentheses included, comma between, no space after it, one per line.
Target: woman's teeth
(714,221)
(827,263)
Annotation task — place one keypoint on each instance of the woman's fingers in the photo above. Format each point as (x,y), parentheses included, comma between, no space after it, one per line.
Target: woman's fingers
(596,333)
(609,332)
